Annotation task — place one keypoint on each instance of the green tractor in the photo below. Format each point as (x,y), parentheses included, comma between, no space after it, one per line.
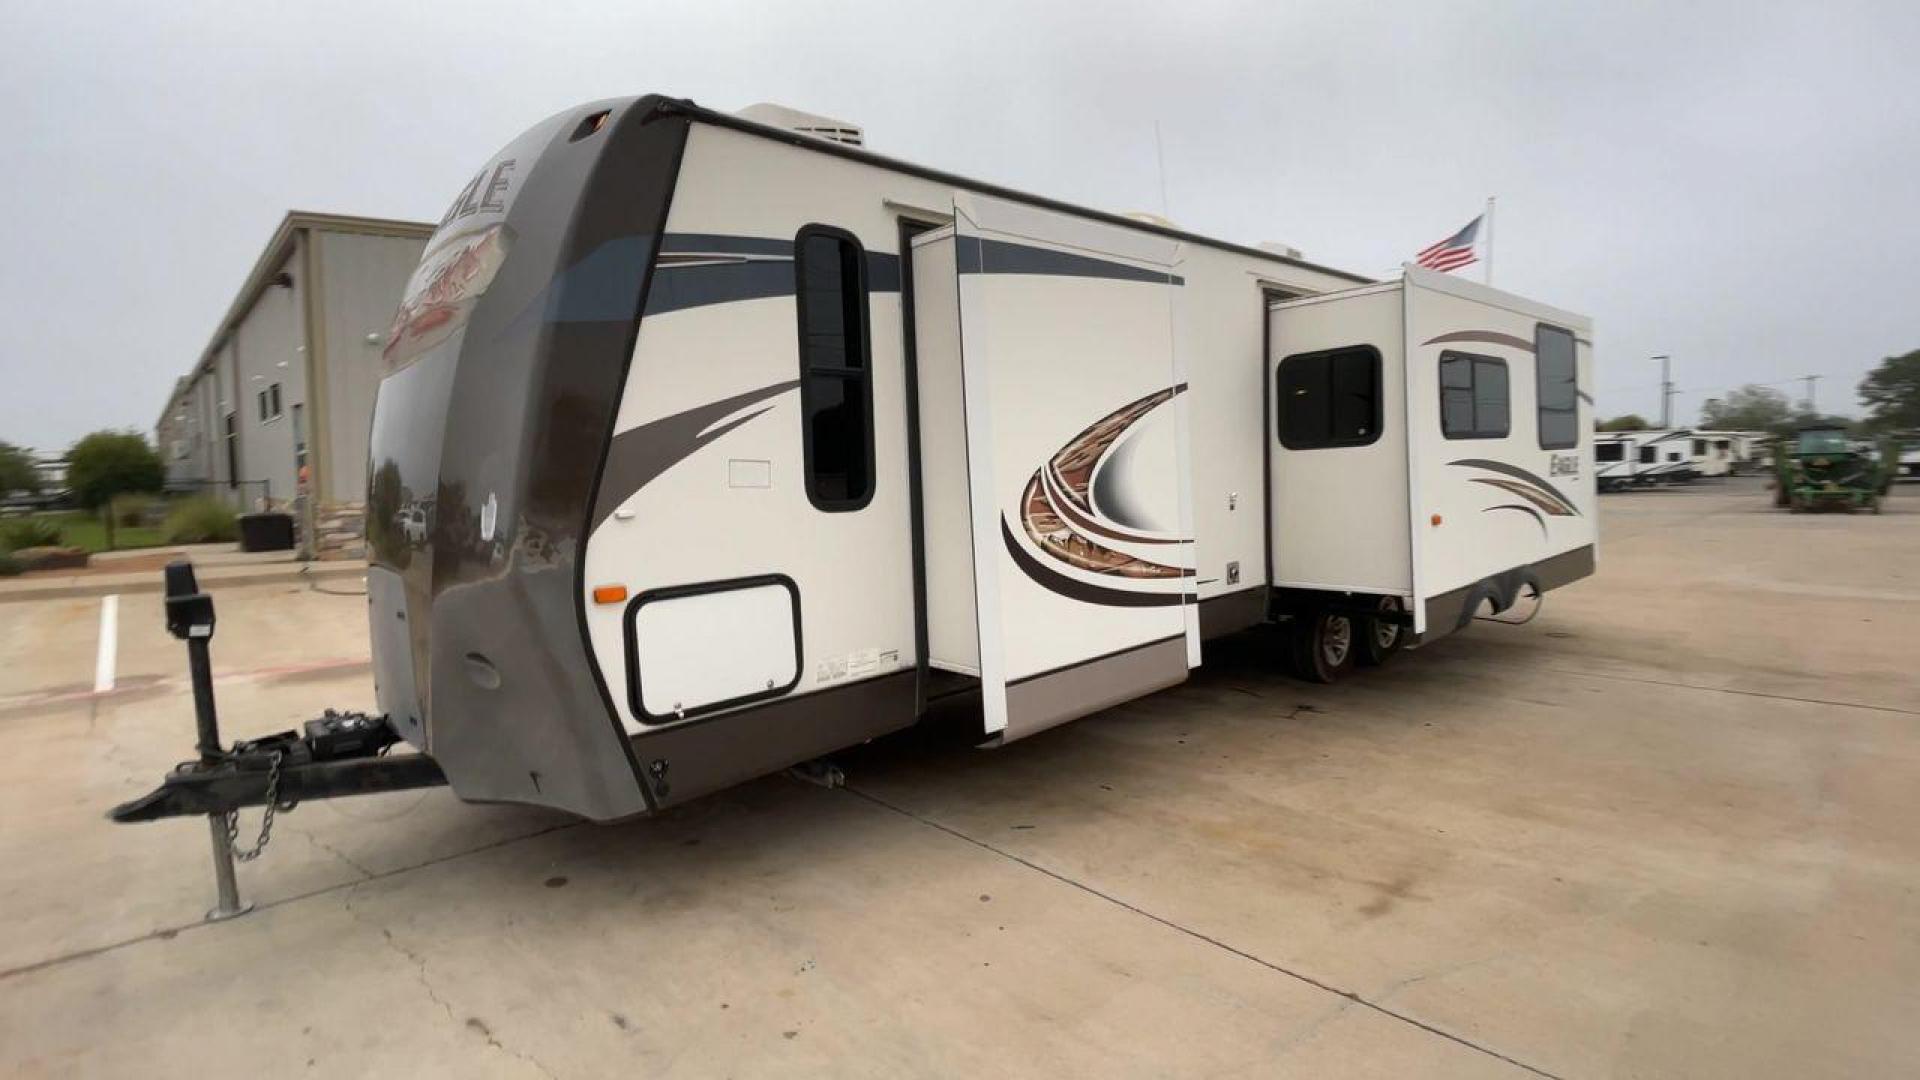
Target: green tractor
(1819,469)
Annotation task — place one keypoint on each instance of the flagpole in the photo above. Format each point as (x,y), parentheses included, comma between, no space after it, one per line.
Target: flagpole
(1489,278)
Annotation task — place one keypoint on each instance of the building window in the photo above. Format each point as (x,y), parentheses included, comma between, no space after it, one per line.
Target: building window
(232,435)
(1328,398)
(1473,396)
(1556,387)
(836,379)
(261,400)
(1610,451)
(273,400)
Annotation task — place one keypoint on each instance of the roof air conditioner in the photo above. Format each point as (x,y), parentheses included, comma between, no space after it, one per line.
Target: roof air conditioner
(820,127)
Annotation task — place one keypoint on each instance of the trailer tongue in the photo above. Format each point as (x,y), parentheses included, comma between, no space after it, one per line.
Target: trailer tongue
(336,754)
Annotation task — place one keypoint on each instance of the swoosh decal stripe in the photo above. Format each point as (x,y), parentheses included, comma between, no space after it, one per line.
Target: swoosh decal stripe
(1074,589)
(640,454)
(979,255)
(1523,509)
(1519,473)
(1484,337)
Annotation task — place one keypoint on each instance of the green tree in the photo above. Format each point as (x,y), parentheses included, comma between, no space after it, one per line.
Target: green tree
(1892,393)
(1748,408)
(17,472)
(1629,422)
(110,463)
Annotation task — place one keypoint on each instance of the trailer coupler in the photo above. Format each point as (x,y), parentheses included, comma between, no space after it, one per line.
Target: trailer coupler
(336,754)
(340,754)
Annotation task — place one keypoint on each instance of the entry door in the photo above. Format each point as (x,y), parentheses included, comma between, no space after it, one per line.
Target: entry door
(1076,501)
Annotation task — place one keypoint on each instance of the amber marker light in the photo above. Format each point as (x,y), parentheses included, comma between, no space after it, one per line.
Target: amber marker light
(1436,521)
(609,594)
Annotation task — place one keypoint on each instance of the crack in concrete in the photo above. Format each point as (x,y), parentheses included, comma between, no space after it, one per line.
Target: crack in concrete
(365,874)
(167,933)
(419,962)
(1351,996)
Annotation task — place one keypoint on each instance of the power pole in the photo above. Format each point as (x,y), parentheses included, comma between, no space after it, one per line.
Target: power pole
(1810,380)
(1666,391)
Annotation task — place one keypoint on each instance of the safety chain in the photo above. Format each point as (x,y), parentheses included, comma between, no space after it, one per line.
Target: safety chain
(266,822)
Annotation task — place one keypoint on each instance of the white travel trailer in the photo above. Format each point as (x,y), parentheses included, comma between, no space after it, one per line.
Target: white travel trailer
(1616,460)
(745,444)
(1664,457)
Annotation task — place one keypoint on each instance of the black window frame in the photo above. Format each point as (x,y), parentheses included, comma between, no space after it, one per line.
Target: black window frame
(1376,417)
(861,373)
(1474,362)
(1540,409)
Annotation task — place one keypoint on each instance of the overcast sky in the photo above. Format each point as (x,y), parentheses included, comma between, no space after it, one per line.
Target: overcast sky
(1732,184)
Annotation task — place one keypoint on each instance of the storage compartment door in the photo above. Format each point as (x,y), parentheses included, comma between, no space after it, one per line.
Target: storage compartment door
(1076,456)
(699,648)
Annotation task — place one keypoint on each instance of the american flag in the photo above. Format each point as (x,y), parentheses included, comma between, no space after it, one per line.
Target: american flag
(1454,252)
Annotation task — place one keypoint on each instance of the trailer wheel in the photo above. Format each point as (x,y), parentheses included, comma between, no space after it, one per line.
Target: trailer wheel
(1324,646)
(1380,638)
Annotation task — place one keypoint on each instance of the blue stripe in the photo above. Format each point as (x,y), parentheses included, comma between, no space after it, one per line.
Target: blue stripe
(978,255)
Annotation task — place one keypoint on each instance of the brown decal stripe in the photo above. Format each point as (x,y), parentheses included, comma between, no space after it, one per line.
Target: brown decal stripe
(1064,504)
(1484,337)
(1528,510)
(1528,493)
(1074,589)
(1051,534)
(639,454)
(1518,473)
(1058,515)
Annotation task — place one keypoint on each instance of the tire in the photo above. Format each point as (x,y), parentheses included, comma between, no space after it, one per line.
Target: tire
(1323,646)
(1379,640)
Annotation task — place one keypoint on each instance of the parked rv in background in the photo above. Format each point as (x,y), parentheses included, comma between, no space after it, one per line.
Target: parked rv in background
(1909,467)
(1624,459)
(1616,460)
(1730,453)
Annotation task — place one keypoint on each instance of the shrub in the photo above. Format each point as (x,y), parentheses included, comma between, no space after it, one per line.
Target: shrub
(8,567)
(134,510)
(201,520)
(29,532)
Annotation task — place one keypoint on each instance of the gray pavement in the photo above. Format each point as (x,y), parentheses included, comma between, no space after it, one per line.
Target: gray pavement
(1666,829)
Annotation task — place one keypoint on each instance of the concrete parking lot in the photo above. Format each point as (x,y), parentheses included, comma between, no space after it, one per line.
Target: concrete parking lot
(1666,829)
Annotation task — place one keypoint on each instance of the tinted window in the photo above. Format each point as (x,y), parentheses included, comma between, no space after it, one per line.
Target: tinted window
(1609,451)
(835,390)
(1329,398)
(1648,455)
(1473,396)
(1557,385)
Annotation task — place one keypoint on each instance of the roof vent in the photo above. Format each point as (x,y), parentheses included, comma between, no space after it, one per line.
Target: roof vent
(1275,247)
(820,127)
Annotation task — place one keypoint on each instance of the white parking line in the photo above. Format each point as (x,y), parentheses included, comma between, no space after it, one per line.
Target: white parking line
(109,644)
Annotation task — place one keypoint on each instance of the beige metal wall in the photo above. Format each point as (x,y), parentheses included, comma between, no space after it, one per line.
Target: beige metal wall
(268,347)
(361,279)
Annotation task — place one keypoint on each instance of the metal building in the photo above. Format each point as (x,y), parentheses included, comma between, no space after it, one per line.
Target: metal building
(275,411)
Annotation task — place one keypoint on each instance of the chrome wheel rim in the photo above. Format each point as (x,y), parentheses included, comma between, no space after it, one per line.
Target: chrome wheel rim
(1386,633)
(1336,640)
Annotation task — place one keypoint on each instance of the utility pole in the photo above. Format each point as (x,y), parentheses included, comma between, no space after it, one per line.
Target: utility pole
(1666,391)
(1810,380)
